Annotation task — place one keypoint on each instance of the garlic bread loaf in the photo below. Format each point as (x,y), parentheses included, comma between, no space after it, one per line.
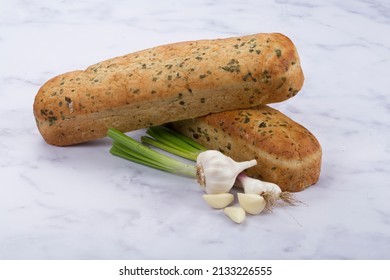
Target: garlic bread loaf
(287,153)
(167,83)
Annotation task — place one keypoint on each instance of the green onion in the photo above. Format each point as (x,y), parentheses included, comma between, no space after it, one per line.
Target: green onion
(128,148)
(170,149)
(173,142)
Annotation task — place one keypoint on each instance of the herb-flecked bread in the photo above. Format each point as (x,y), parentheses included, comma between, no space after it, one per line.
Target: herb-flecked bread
(167,83)
(287,153)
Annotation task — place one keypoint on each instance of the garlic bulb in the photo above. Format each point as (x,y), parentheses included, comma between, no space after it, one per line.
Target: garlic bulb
(270,191)
(255,186)
(217,172)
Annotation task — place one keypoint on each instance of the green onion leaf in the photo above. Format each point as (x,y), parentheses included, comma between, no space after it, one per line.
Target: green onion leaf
(128,148)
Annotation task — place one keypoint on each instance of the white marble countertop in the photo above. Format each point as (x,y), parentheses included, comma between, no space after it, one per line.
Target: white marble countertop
(82,203)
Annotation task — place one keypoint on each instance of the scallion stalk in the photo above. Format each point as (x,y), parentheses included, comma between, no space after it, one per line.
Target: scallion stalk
(170,149)
(173,142)
(166,136)
(130,149)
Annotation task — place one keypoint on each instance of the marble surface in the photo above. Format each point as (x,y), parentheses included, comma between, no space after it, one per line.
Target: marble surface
(82,203)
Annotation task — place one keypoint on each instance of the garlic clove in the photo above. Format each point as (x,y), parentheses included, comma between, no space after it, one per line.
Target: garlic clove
(218,201)
(252,203)
(236,214)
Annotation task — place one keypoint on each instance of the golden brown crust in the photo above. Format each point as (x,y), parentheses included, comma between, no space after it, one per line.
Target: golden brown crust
(167,83)
(286,152)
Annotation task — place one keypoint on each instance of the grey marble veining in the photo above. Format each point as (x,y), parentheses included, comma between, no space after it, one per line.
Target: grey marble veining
(82,203)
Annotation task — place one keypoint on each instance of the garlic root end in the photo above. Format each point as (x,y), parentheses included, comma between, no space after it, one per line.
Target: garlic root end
(200,178)
(271,200)
(289,198)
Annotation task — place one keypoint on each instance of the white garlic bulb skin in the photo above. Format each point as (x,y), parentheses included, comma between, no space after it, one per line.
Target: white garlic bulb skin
(217,172)
(255,186)
(270,191)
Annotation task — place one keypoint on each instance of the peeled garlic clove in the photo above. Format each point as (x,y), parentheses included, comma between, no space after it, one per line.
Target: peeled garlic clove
(251,203)
(236,214)
(218,201)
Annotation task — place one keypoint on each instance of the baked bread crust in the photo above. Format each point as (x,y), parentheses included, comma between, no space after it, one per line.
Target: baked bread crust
(167,83)
(287,153)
